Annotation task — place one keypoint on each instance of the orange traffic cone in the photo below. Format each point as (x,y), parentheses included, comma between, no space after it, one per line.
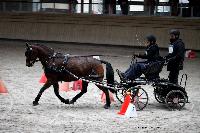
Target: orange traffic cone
(64,86)
(125,105)
(77,85)
(43,79)
(3,89)
(103,97)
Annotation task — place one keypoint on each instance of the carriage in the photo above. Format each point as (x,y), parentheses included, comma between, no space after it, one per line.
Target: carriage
(173,95)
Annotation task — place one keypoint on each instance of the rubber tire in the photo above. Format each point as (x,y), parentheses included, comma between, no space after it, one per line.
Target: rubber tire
(175,91)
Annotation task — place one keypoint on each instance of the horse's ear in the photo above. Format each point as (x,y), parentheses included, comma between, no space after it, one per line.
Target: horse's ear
(28,45)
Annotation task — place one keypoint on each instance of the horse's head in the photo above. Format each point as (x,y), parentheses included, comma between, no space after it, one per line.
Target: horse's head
(31,55)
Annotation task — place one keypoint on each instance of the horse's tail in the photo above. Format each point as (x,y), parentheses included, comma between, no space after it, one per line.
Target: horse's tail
(109,74)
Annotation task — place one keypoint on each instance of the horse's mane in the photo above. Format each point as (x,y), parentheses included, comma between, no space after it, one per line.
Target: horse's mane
(44,47)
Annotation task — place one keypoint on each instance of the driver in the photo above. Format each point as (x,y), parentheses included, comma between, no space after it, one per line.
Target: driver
(151,55)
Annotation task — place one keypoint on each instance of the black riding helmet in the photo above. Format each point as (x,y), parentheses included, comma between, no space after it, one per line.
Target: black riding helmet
(175,32)
(151,38)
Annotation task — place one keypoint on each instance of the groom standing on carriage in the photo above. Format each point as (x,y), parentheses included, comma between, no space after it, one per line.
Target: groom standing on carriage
(176,56)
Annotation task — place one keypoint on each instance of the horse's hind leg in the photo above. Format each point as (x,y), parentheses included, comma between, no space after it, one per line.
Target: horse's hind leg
(46,85)
(56,91)
(83,91)
(105,90)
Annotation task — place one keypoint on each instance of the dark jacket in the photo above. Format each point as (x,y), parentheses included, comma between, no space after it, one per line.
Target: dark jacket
(152,53)
(176,58)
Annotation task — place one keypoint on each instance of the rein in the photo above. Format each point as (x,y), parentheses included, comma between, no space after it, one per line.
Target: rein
(102,84)
(98,55)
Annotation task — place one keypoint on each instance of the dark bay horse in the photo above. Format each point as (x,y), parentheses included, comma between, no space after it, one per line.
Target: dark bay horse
(58,67)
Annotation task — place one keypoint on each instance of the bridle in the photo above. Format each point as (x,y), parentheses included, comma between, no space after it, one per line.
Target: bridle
(32,62)
(27,54)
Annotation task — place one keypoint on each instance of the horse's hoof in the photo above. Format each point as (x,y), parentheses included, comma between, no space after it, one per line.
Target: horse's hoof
(35,103)
(71,102)
(106,106)
(67,101)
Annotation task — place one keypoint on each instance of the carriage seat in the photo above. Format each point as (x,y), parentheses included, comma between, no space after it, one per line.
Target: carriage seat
(153,69)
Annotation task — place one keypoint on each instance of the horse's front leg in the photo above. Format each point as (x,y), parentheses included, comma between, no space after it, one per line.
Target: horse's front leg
(83,91)
(56,91)
(46,85)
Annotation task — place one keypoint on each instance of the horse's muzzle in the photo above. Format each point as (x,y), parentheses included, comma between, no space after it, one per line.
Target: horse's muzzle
(29,64)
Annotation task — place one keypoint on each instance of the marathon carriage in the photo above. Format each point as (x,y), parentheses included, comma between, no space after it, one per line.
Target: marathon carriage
(173,95)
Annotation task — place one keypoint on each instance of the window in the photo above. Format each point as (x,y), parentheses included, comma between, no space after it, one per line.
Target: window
(61,6)
(136,8)
(183,1)
(47,5)
(163,0)
(163,9)
(137,0)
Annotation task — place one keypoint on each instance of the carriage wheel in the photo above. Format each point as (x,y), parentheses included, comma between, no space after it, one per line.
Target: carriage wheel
(120,95)
(158,98)
(140,100)
(175,99)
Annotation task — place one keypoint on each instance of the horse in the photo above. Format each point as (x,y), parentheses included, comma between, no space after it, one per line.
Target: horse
(59,67)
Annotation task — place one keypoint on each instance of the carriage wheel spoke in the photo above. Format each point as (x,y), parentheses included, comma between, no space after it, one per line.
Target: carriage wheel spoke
(141,94)
(140,104)
(181,101)
(143,98)
(179,105)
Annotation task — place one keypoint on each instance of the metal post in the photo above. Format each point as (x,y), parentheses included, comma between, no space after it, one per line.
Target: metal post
(90,6)
(155,10)
(20,6)
(40,6)
(149,10)
(54,7)
(192,15)
(181,11)
(4,6)
(82,5)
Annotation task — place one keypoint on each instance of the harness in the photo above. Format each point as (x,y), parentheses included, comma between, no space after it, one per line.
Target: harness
(60,55)
(63,69)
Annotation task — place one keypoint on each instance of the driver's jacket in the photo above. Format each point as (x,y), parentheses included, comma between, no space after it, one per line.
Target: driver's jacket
(151,54)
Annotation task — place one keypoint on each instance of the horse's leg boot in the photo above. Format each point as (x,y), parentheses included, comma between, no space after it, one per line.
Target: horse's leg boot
(106,106)
(66,101)
(35,103)
(72,101)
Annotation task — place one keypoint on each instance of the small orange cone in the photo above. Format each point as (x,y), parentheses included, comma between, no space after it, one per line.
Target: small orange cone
(43,79)
(77,85)
(3,89)
(103,97)
(125,105)
(64,86)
